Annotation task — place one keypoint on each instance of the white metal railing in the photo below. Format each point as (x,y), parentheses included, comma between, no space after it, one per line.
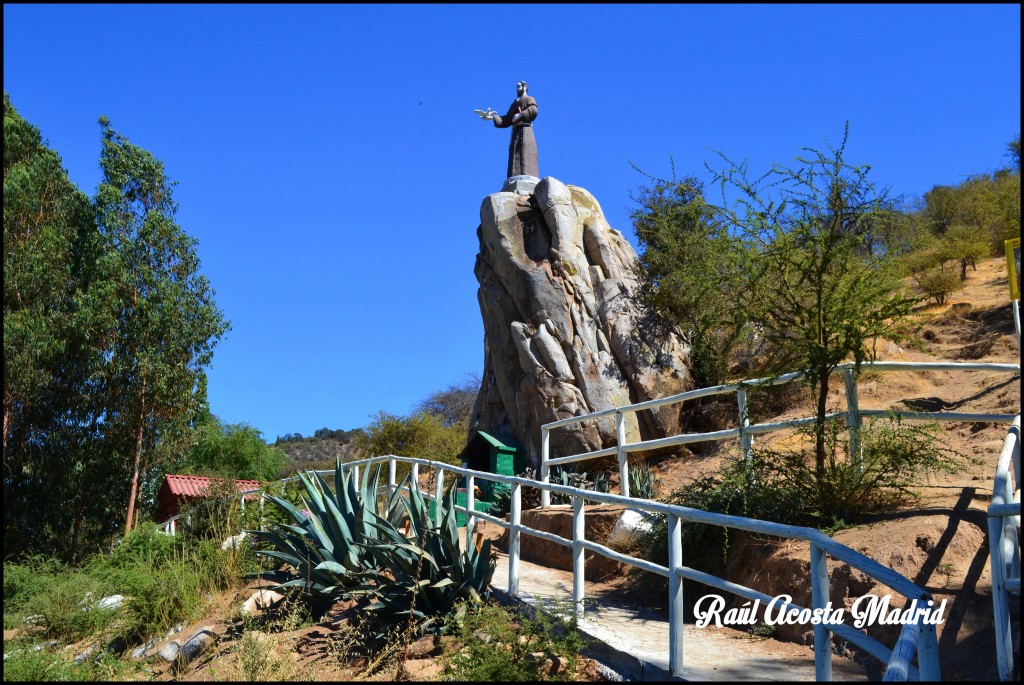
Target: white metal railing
(919,637)
(745,432)
(1004,545)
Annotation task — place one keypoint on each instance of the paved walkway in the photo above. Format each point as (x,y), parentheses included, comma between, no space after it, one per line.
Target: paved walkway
(635,642)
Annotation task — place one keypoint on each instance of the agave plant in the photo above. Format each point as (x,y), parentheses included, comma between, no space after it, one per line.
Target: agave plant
(643,483)
(325,547)
(430,575)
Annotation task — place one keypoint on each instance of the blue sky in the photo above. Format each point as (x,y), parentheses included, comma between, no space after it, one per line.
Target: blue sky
(332,169)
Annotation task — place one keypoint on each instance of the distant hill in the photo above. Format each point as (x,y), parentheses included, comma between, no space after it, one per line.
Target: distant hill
(319,450)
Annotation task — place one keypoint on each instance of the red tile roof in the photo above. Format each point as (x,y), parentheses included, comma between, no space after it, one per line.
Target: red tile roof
(198,486)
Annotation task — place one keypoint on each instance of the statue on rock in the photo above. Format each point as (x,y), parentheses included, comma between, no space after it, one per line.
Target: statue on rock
(564,333)
(522,149)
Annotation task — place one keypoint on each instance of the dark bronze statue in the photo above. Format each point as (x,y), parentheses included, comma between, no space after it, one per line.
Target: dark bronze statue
(522,149)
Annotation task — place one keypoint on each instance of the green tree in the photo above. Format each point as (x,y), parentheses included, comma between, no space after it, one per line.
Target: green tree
(167,323)
(819,297)
(52,320)
(234,451)
(419,435)
(688,271)
(965,246)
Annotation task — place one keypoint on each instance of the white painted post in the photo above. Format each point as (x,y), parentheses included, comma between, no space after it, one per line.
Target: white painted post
(853,418)
(438,494)
(620,442)
(1000,608)
(819,600)
(928,654)
(355,474)
(415,476)
(675,594)
(578,536)
(514,515)
(545,454)
(470,508)
(746,439)
(392,469)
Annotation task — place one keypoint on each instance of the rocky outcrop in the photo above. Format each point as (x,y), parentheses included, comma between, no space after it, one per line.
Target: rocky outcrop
(563,332)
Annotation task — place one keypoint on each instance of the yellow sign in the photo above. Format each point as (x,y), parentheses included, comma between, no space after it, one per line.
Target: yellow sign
(1013,267)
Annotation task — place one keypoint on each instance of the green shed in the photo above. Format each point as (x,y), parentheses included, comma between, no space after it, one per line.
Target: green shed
(486,453)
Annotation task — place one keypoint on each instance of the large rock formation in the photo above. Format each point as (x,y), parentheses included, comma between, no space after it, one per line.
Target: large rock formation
(563,333)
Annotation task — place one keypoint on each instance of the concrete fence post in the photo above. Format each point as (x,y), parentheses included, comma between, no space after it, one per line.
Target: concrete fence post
(623,457)
(514,517)
(578,536)
(819,600)
(545,477)
(675,595)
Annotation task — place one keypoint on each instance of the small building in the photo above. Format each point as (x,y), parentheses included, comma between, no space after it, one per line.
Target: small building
(484,452)
(178,489)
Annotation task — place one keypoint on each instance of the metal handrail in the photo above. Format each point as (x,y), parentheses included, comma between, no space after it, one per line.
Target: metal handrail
(922,636)
(745,432)
(1004,545)
(821,546)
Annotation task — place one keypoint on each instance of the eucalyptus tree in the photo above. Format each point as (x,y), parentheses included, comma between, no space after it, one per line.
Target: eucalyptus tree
(166,323)
(51,322)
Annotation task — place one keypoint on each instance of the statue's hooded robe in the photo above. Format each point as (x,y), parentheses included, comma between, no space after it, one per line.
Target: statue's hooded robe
(522,149)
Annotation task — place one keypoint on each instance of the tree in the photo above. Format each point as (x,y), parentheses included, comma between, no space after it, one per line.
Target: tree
(166,323)
(818,295)
(52,320)
(454,404)
(235,451)
(419,435)
(688,271)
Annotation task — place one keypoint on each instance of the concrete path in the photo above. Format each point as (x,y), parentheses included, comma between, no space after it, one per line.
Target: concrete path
(634,643)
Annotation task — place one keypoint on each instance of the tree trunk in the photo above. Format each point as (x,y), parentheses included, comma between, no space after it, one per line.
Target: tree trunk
(76,530)
(819,435)
(135,467)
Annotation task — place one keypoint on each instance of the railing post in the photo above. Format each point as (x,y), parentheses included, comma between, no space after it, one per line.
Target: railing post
(819,600)
(470,508)
(675,594)
(578,536)
(545,454)
(853,418)
(746,439)
(438,494)
(392,469)
(1000,607)
(620,442)
(415,478)
(514,515)
(928,654)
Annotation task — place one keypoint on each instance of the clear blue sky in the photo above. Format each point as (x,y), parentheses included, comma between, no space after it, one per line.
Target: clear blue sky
(332,169)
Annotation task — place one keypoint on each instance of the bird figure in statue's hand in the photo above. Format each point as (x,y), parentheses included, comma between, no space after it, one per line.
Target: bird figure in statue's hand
(489,114)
